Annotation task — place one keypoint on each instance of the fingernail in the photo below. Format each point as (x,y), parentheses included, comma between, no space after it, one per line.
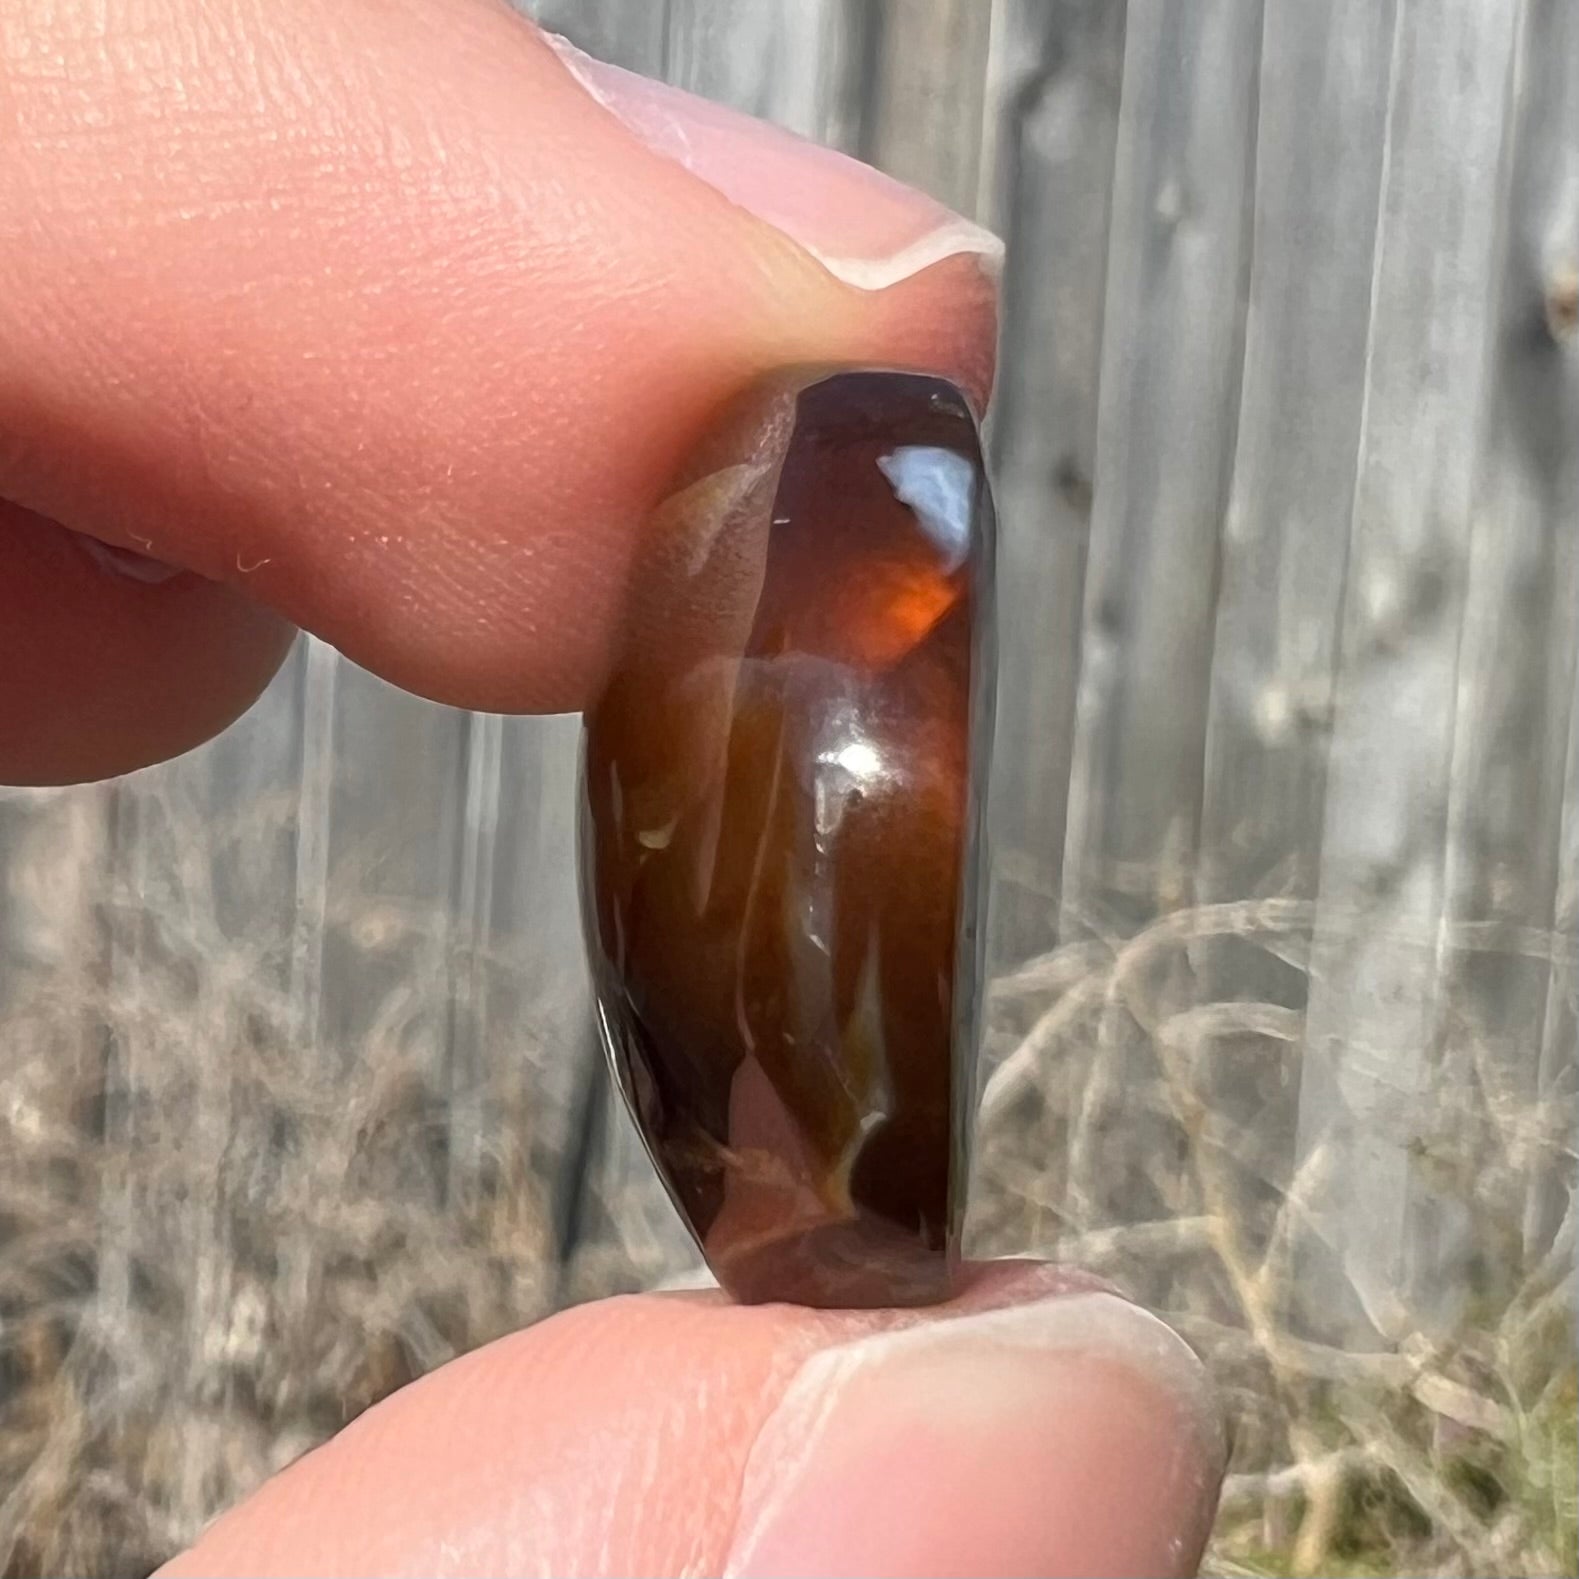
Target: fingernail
(126,563)
(863,227)
(1075,1435)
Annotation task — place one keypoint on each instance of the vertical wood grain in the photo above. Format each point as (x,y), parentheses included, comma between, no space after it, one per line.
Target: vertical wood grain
(922,104)
(1517,674)
(1173,326)
(1366,1082)
(1274,630)
(816,50)
(1178,251)
(1052,133)
(1323,99)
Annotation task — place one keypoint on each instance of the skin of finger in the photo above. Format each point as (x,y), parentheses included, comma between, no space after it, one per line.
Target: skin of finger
(71,708)
(615,1439)
(371,313)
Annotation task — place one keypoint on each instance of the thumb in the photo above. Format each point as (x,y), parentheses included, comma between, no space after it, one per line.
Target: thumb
(1037,1426)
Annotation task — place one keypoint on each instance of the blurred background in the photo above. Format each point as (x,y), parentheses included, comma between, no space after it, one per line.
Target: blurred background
(298,1092)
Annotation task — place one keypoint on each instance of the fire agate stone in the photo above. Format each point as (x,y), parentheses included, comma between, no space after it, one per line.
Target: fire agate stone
(779,825)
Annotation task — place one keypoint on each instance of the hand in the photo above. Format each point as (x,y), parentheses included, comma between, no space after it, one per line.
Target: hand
(371,318)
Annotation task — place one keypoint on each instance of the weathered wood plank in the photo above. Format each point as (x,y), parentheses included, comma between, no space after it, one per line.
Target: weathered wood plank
(1552,1190)
(1050,136)
(1178,253)
(1366,1088)
(1518,666)
(1323,95)
(922,100)
(1323,99)
(1177,256)
(535,1057)
(816,50)
(1055,85)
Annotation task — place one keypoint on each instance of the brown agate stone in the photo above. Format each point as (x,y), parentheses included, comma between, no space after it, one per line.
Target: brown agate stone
(778,836)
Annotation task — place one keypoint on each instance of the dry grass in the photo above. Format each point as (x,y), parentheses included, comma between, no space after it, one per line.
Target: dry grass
(1417,1416)
(224,1231)
(226,1228)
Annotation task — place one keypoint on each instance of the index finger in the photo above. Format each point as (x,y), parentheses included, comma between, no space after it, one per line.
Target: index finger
(375,316)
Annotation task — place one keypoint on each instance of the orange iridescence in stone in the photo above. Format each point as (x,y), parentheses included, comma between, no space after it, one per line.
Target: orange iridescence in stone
(776,833)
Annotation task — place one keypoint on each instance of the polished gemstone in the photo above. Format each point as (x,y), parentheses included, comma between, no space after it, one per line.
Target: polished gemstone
(779,828)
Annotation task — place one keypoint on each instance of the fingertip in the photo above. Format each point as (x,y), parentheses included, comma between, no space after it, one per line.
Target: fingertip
(1067,1435)
(1034,1427)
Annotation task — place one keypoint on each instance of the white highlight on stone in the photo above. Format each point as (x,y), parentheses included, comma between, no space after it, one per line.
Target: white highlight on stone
(940,487)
